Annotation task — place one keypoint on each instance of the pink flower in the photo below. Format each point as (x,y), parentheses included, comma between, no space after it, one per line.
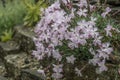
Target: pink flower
(97,41)
(103,15)
(92,51)
(38,55)
(78,72)
(56,55)
(108,29)
(57,76)
(92,21)
(102,54)
(106,48)
(107,10)
(92,8)
(58,68)
(95,60)
(71,59)
(57,71)
(102,67)
(82,12)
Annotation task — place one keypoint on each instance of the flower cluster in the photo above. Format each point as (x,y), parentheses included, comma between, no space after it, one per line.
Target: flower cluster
(54,29)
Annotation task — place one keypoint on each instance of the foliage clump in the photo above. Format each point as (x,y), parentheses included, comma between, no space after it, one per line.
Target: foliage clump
(7,35)
(34,12)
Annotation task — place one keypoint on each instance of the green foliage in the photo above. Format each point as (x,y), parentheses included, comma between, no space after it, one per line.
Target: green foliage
(33,12)
(11,15)
(7,35)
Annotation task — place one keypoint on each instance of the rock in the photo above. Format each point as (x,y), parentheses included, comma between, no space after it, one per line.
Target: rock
(10,47)
(25,31)
(3,78)
(31,75)
(2,69)
(16,62)
(24,36)
(13,53)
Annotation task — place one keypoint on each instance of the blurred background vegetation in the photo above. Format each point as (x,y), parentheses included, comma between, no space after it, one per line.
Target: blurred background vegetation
(18,12)
(11,14)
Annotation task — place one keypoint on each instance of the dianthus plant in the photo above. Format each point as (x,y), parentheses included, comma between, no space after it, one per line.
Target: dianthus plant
(62,33)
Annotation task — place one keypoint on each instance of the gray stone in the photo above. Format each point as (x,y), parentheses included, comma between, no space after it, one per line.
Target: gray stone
(25,31)
(3,78)
(16,62)
(2,69)
(31,75)
(9,47)
(5,49)
(24,36)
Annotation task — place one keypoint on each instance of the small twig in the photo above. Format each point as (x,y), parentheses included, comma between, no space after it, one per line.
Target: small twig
(84,67)
(105,2)
(111,65)
(116,13)
(88,6)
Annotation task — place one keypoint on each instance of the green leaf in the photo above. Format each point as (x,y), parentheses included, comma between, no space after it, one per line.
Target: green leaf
(7,35)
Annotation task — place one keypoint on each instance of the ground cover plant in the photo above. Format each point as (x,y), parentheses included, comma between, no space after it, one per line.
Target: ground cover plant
(68,34)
